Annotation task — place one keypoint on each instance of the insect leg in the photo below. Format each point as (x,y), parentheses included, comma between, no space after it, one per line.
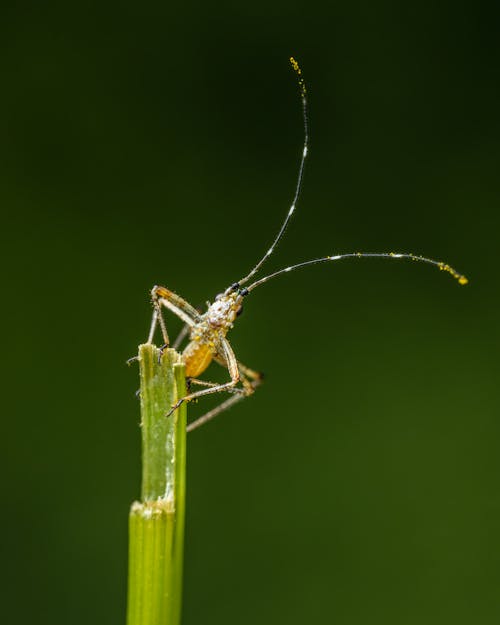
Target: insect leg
(255,377)
(211,414)
(234,390)
(158,318)
(245,372)
(232,365)
(182,309)
(209,384)
(181,336)
(201,382)
(154,321)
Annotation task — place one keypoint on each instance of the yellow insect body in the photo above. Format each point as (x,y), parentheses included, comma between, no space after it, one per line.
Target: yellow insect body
(207,334)
(197,358)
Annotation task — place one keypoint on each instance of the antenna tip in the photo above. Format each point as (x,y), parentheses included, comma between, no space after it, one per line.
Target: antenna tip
(298,71)
(458,276)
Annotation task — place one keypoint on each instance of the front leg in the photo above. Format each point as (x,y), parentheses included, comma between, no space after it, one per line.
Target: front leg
(176,304)
(234,372)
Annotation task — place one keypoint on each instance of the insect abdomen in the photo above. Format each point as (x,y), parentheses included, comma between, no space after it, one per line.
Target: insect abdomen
(197,357)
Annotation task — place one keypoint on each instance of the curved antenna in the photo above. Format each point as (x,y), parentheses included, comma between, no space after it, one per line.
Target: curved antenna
(391,255)
(303,96)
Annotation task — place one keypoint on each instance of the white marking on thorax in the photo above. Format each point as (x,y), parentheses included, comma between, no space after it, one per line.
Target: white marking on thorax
(221,313)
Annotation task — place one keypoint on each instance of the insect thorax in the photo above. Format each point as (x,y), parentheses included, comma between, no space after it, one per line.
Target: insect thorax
(206,334)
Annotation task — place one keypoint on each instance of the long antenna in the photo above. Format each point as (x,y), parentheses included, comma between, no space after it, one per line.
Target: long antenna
(391,255)
(303,96)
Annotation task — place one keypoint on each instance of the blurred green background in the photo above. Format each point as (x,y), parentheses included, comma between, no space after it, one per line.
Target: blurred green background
(158,143)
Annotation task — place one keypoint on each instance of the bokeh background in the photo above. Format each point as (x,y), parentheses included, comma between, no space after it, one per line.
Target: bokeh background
(158,143)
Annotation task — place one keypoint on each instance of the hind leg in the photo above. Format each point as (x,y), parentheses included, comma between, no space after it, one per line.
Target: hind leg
(250,380)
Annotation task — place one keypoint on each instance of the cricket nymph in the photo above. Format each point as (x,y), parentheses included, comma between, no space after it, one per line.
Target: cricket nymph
(207,331)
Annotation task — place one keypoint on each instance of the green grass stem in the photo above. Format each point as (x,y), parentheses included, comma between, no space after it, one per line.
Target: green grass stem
(156,523)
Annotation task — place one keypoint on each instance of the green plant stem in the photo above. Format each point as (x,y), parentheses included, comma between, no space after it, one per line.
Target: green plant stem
(156,523)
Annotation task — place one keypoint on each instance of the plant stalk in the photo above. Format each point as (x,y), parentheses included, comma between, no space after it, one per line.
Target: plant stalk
(156,523)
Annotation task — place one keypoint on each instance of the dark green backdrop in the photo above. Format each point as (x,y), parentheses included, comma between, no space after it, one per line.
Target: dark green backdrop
(153,143)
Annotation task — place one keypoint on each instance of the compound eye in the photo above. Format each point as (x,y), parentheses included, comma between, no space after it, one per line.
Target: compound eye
(239,311)
(218,296)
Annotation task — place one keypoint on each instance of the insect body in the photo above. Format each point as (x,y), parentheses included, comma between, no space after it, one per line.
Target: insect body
(208,331)
(208,342)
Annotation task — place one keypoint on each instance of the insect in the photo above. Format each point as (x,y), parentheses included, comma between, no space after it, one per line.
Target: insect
(208,331)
